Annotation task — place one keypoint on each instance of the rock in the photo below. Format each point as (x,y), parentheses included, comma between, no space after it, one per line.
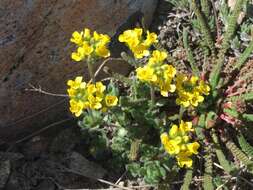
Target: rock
(11,156)
(35,49)
(5,168)
(46,185)
(65,141)
(89,169)
(6,160)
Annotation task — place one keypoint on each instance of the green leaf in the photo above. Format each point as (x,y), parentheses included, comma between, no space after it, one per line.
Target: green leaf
(231,28)
(189,53)
(92,119)
(237,152)
(112,90)
(231,112)
(208,175)
(187,180)
(245,97)
(244,56)
(246,147)
(134,169)
(220,155)
(200,127)
(247,117)
(154,172)
(211,116)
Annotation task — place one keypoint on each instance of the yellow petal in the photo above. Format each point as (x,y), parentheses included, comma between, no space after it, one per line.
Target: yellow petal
(172,147)
(193,147)
(184,161)
(111,100)
(102,51)
(173,131)
(87,33)
(164,138)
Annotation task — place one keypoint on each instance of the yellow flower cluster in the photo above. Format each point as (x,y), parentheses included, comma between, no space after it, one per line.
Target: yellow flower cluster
(176,142)
(88,96)
(157,73)
(89,45)
(190,90)
(137,43)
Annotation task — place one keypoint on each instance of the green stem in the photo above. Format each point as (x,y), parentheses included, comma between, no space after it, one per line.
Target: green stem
(90,68)
(181,112)
(152,95)
(134,89)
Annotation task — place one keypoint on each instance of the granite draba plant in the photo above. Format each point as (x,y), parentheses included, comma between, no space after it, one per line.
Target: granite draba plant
(158,121)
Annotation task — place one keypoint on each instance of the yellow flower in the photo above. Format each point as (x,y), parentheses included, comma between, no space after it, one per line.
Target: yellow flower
(151,39)
(77,38)
(168,71)
(183,159)
(203,88)
(96,91)
(146,74)
(186,138)
(138,32)
(178,139)
(91,88)
(158,74)
(100,87)
(76,107)
(102,51)
(77,83)
(196,99)
(173,131)
(157,57)
(105,39)
(177,143)
(111,100)
(86,34)
(71,92)
(171,146)
(131,37)
(140,51)
(102,38)
(166,87)
(183,99)
(193,80)
(94,102)
(190,90)
(88,45)
(136,43)
(164,138)
(79,55)
(87,49)
(193,147)
(185,127)
(180,79)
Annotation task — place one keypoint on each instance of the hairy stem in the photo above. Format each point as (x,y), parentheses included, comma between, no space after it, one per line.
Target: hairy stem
(90,68)
(152,95)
